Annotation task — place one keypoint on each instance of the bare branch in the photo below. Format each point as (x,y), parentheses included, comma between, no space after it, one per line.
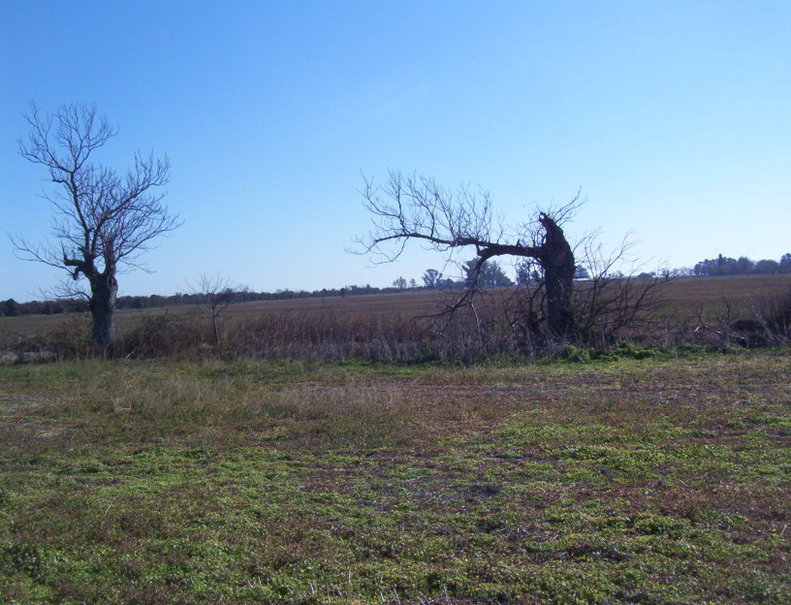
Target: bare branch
(215,294)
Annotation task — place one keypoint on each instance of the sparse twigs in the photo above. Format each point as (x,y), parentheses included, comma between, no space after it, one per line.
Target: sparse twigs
(608,305)
(765,319)
(773,313)
(215,294)
(611,302)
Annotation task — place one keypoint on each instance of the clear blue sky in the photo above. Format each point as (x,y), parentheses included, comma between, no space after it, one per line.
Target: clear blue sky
(673,117)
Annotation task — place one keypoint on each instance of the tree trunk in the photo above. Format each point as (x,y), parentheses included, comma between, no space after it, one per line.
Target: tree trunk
(215,327)
(557,260)
(103,293)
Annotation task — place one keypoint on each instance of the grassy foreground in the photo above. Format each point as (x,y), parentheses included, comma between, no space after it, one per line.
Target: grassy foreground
(619,482)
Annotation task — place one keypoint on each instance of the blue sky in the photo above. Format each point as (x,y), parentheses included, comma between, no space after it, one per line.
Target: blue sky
(672,117)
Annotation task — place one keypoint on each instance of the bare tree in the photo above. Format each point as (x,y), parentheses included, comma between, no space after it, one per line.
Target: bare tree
(103,220)
(606,302)
(412,207)
(215,294)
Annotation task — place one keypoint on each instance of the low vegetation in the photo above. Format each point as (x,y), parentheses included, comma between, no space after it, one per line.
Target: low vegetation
(614,481)
(714,312)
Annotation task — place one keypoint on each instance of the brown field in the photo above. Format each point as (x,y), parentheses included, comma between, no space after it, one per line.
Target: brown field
(682,296)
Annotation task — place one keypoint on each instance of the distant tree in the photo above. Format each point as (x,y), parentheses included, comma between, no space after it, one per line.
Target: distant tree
(10,308)
(412,283)
(400,284)
(581,273)
(767,266)
(104,220)
(446,283)
(680,272)
(488,275)
(785,263)
(431,278)
(723,265)
(527,273)
(744,265)
(215,294)
(133,302)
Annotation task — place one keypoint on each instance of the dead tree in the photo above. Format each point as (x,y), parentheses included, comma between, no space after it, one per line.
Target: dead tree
(411,207)
(215,295)
(103,220)
(557,260)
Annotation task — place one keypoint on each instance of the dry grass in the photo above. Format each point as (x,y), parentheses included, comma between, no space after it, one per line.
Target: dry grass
(684,296)
(388,327)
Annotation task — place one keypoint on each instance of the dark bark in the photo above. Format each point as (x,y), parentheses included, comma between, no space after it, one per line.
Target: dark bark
(104,290)
(557,260)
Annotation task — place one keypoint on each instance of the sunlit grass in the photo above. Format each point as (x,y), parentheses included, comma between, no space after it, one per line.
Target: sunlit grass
(610,482)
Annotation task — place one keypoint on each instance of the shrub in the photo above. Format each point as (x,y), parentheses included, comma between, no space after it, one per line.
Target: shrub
(158,336)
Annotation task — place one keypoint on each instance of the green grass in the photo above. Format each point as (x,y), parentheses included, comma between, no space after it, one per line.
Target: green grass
(620,481)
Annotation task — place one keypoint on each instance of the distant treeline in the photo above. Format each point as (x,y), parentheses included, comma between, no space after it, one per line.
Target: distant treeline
(723,265)
(432,279)
(10,307)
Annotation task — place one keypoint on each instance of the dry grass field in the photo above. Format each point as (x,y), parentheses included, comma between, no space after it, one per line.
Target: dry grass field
(684,296)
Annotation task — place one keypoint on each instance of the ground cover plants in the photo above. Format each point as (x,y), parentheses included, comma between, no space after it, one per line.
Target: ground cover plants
(611,481)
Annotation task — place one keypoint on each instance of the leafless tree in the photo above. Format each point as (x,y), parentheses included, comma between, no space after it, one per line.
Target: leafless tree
(103,220)
(606,301)
(215,294)
(415,208)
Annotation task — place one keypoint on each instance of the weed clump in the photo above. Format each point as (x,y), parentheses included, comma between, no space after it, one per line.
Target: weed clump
(624,350)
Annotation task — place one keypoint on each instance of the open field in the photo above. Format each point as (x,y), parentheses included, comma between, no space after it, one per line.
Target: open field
(652,481)
(683,296)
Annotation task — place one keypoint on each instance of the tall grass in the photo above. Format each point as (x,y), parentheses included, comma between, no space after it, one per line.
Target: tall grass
(363,334)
